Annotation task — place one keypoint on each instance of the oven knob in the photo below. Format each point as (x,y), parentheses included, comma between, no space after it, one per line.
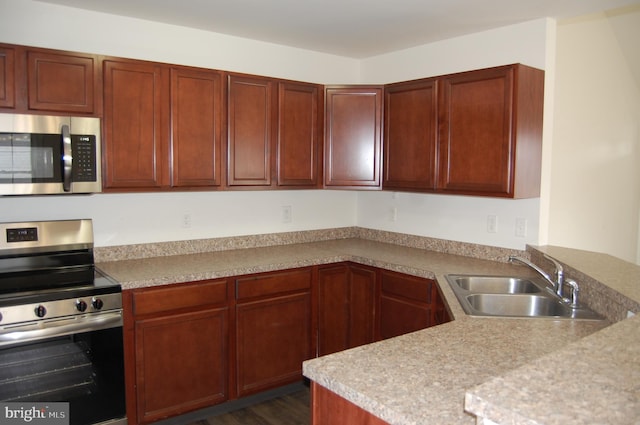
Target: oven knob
(40,311)
(97,303)
(81,305)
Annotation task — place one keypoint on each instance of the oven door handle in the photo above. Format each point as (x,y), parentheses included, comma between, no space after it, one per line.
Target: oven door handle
(60,327)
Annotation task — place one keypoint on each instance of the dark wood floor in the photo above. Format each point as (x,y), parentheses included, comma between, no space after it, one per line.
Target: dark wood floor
(288,409)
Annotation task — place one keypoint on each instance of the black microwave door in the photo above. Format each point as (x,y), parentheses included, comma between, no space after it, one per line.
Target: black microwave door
(30,158)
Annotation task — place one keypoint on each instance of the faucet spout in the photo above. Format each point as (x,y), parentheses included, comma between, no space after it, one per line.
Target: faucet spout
(545,276)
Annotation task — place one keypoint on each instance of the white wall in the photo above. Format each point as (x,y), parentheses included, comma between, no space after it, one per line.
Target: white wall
(51,26)
(121,219)
(524,43)
(595,197)
(459,218)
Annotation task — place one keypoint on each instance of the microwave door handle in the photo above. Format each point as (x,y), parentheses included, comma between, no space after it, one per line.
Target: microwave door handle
(67,158)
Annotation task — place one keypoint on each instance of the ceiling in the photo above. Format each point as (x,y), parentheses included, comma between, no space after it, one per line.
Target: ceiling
(352,28)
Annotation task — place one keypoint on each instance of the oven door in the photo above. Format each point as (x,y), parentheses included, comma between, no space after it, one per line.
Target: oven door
(80,365)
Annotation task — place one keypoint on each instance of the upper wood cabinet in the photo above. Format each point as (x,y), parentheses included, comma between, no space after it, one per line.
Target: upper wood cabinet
(163,126)
(472,133)
(491,132)
(197,102)
(352,149)
(62,82)
(170,127)
(7,77)
(136,125)
(299,153)
(45,80)
(273,133)
(251,117)
(410,139)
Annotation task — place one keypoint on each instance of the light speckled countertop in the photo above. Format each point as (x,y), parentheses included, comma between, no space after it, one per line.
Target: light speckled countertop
(422,377)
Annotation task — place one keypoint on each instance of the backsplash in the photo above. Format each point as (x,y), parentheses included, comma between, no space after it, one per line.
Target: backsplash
(160,249)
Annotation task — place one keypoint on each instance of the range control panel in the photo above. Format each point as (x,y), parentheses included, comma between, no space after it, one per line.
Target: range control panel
(24,234)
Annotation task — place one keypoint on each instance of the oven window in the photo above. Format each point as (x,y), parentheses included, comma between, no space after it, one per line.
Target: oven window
(86,370)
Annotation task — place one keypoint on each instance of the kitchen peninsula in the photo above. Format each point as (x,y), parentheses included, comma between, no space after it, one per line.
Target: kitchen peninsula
(422,377)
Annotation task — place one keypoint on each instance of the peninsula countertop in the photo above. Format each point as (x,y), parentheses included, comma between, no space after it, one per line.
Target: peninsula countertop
(423,377)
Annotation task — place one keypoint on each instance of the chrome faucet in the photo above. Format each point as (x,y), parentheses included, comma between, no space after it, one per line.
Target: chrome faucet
(557,282)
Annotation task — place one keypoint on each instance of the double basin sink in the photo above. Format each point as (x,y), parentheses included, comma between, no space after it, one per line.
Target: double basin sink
(508,296)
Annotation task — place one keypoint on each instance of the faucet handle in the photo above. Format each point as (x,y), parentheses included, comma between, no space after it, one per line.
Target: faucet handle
(575,290)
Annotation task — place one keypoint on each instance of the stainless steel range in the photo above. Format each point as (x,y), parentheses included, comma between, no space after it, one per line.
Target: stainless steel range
(60,322)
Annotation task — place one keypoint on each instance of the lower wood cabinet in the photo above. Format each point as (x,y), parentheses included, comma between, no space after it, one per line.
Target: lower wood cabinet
(194,345)
(328,408)
(346,307)
(407,304)
(179,348)
(273,329)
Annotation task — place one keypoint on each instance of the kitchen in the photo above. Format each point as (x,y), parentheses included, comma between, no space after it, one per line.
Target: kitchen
(122,219)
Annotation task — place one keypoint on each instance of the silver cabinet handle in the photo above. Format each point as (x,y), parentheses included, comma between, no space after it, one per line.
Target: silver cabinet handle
(67,158)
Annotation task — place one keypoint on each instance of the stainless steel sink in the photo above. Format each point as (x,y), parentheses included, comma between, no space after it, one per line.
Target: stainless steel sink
(509,296)
(496,284)
(515,305)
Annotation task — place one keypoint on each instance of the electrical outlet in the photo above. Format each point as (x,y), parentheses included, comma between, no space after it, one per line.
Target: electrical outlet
(186,220)
(492,223)
(521,227)
(393,214)
(286,216)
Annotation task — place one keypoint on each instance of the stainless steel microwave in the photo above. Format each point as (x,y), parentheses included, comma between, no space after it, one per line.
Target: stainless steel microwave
(42,155)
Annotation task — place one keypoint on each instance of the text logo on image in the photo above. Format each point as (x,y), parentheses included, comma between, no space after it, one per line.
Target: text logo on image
(34,413)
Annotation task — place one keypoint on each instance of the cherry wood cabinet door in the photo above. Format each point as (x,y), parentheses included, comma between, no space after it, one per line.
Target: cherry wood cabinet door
(353,123)
(180,363)
(7,77)
(298,143)
(407,304)
(362,299)
(196,127)
(475,153)
(176,348)
(62,82)
(410,139)
(135,125)
(346,298)
(333,309)
(273,329)
(491,132)
(251,109)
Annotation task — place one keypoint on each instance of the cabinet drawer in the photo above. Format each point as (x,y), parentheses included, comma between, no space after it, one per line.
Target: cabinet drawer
(273,283)
(410,287)
(178,296)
